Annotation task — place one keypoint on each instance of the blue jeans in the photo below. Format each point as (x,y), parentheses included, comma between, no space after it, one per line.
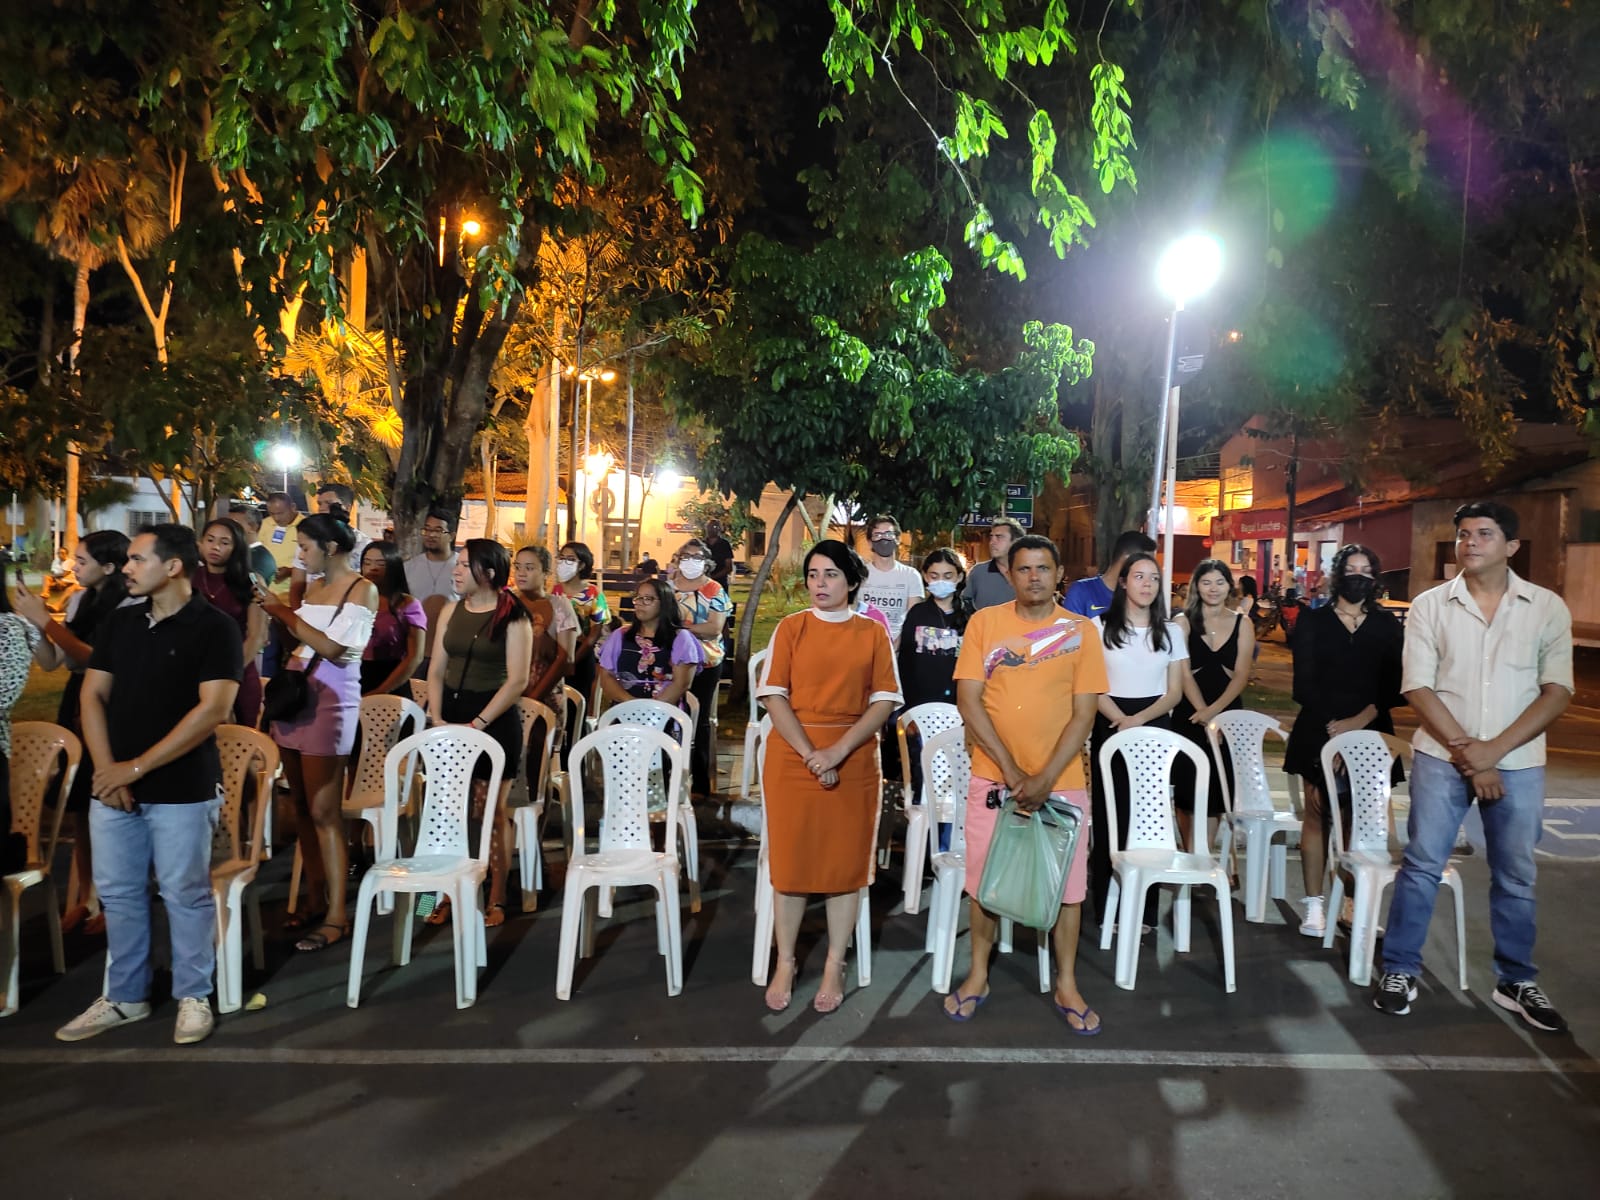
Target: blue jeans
(1440,798)
(174,840)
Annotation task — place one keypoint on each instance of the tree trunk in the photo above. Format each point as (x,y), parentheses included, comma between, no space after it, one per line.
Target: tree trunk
(540,427)
(80,318)
(747,619)
(1291,475)
(491,514)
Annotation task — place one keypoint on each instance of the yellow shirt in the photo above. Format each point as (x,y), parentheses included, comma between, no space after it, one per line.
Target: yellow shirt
(1487,673)
(1030,671)
(281,540)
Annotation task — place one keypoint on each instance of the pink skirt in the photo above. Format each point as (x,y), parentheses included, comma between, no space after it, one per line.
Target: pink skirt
(327,726)
(980,829)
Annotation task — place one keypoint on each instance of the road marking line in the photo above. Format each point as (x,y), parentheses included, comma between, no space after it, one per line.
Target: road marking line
(842,1055)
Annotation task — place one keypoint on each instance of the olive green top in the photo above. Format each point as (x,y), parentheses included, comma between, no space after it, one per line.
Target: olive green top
(476,664)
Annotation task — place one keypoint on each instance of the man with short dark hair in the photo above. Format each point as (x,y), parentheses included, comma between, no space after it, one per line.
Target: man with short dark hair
(429,575)
(248,518)
(328,495)
(721,551)
(892,585)
(163,676)
(1028,679)
(1488,667)
(1091,596)
(989,583)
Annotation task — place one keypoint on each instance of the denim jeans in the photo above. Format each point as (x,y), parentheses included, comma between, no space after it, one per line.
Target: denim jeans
(174,840)
(1440,798)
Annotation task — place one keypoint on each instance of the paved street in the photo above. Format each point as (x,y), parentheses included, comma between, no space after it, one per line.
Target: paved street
(1291,1086)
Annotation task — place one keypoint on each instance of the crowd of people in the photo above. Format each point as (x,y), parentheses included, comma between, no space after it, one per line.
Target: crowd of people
(172,634)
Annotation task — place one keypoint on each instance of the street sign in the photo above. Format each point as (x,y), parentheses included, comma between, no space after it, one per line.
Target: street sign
(1018,506)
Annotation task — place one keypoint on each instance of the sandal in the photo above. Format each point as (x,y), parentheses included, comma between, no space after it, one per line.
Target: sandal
(319,940)
(827,1002)
(960,1011)
(778,1001)
(441,912)
(303,919)
(494,915)
(1082,1028)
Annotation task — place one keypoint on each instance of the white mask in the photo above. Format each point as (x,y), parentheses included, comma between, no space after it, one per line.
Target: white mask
(942,589)
(691,568)
(565,570)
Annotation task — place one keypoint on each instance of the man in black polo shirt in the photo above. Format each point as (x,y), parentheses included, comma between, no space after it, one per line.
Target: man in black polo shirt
(162,678)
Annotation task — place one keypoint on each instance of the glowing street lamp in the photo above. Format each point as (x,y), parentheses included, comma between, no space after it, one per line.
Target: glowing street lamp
(669,479)
(1188,268)
(285,456)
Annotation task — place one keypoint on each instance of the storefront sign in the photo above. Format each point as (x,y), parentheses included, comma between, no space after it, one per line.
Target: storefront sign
(1249,525)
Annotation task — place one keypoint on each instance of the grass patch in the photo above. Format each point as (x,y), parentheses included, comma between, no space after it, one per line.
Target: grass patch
(41,698)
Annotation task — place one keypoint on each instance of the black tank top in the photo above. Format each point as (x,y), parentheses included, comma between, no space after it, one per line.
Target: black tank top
(1210,667)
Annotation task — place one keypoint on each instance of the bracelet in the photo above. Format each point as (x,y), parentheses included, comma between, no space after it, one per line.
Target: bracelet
(137,769)
(475,721)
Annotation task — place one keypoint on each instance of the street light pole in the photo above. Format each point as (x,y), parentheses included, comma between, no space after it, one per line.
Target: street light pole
(627,478)
(1168,416)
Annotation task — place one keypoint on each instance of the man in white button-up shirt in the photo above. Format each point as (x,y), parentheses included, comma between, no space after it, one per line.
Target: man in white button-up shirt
(1488,667)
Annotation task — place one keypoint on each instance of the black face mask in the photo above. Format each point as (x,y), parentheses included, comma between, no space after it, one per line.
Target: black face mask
(1356,589)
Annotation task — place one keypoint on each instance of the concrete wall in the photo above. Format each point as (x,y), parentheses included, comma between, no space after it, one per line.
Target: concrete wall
(1545,516)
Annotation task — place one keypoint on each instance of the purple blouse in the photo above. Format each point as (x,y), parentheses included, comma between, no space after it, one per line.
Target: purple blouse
(391,631)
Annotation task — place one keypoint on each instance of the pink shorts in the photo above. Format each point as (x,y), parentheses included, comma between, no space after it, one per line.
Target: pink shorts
(980,828)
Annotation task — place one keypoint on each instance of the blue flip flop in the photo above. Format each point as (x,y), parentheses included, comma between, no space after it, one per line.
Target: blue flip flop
(1083,1017)
(961,1004)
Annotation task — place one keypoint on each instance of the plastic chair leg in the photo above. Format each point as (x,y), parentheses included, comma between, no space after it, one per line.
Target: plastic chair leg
(1225,919)
(1045,981)
(52,916)
(1003,940)
(1128,917)
(1255,875)
(405,914)
(1364,931)
(1182,918)
(1108,919)
(1453,881)
(1279,870)
(761,952)
(358,938)
(940,939)
(690,831)
(661,923)
(591,918)
(916,856)
(605,902)
(1335,895)
(864,940)
(10,951)
(229,953)
(674,914)
(572,905)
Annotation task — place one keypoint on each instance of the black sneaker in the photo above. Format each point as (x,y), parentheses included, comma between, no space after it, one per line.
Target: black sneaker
(1529,1002)
(1395,993)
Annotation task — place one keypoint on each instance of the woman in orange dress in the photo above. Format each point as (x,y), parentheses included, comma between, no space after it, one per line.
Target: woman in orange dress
(829,686)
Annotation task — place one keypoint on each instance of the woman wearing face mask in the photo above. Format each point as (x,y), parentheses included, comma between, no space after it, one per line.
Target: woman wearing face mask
(1144,655)
(575,581)
(1346,676)
(930,640)
(1221,645)
(555,625)
(704,606)
(98,563)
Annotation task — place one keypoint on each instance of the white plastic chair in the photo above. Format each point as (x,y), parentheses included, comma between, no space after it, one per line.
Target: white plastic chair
(928,720)
(1265,830)
(625,858)
(36,749)
(419,692)
(761,957)
(443,860)
(528,811)
(383,720)
(752,727)
(675,723)
(1368,763)
(576,713)
(1152,856)
(247,756)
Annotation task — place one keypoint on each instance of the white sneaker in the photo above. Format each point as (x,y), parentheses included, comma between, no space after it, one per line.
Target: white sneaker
(100,1016)
(1315,922)
(195,1021)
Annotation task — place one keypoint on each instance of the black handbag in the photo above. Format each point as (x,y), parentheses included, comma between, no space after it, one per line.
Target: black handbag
(287,692)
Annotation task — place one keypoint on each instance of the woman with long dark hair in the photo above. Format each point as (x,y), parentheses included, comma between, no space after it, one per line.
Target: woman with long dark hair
(829,685)
(97,563)
(654,657)
(555,625)
(399,638)
(1144,655)
(1222,645)
(223,578)
(930,641)
(477,672)
(575,581)
(1347,660)
(332,626)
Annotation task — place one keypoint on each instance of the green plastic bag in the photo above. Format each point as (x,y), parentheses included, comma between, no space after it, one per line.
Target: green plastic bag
(1026,870)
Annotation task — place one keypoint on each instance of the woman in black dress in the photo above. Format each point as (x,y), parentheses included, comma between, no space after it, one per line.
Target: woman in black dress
(1222,645)
(1346,676)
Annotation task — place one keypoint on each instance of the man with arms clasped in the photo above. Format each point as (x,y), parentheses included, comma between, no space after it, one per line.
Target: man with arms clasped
(163,676)
(1488,667)
(1027,682)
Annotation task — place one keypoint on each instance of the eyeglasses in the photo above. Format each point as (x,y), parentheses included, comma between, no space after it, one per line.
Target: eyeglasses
(435,529)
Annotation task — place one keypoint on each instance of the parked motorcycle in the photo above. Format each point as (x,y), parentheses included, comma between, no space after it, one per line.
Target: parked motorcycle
(1265,616)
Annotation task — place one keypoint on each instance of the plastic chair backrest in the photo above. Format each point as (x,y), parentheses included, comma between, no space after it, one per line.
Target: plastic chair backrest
(246,754)
(419,692)
(627,753)
(946,774)
(758,663)
(927,719)
(530,712)
(573,698)
(1148,755)
(448,755)
(36,750)
(1368,763)
(692,703)
(383,720)
(1244,734)
(653,714)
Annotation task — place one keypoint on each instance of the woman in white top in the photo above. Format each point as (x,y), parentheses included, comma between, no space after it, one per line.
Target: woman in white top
(1144,655)
(332,625)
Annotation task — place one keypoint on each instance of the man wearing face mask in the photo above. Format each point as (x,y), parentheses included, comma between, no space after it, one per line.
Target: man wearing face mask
(892,585)
(704,606)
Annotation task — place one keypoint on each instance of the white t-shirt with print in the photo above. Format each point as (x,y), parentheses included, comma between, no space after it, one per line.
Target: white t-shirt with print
(1135,670)
(894,591)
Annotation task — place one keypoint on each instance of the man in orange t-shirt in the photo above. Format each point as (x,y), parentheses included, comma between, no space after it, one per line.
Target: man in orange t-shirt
(1027,682)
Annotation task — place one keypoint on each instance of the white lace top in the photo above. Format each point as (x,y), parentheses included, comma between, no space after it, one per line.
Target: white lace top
(350,628)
